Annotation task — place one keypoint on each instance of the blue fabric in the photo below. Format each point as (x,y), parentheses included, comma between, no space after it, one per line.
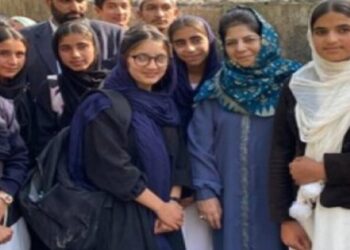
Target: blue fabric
(85,113)
(184,93)
(253,90)
(229,158)
(150,112)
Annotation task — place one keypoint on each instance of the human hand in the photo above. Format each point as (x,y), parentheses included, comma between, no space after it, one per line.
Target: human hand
(171,215)
(210,210)
(306,170)
(5,234)
(294,236)
(160,227)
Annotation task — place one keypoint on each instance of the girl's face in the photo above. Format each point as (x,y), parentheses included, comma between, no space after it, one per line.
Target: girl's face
(76,51)
(331,37)
(242,45)
(147,63)
(191,45)
(115,11)
(12,58)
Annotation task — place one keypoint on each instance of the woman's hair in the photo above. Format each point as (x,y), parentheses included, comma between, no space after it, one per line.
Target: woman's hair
(7,32)
(339,6)
(186,21)
(74,27)
(239,15)
(139,33)
(100,3)
(139,3)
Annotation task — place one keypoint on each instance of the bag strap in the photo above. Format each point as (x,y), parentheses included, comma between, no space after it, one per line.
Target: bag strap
(119,103)
(56,100)
(5,218)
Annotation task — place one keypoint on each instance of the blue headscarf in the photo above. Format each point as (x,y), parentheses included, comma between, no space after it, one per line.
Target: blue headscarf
(252,90)
(184,93)
(150,112)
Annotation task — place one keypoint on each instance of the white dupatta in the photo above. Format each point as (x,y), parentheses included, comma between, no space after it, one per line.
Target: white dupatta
(322,92)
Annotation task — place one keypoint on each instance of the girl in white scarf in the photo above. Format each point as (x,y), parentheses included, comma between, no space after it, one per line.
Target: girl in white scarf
(322,113)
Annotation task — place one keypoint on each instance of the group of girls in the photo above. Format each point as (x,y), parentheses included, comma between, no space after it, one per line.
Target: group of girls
(202,137)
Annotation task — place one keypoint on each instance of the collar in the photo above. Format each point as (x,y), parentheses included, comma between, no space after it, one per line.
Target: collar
(53,25)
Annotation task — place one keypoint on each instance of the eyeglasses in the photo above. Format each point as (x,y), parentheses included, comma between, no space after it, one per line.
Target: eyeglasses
(143,60)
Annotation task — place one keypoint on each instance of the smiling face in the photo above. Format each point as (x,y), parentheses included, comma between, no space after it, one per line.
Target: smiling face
(242,45)
(331,37)
(115,11)
(191,45)
(147,63)
(160,13)
(77,51)
(12,58)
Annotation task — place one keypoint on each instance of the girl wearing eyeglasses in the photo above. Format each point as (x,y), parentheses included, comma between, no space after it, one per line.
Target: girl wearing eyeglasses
(135,152)
(76,49)
(229,134)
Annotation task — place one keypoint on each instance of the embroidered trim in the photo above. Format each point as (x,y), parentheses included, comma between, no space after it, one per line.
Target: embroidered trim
(245,127)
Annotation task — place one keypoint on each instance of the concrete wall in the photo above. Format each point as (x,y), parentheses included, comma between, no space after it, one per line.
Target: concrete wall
(289,17)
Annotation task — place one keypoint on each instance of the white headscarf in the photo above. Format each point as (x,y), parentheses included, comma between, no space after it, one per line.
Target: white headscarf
(322,92)
(25,21)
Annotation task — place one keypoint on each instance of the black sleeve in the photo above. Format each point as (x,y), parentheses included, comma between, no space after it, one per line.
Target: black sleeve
(281,184)
(337,168)
(108,163)
(336,192)
(46,120)
(181,172)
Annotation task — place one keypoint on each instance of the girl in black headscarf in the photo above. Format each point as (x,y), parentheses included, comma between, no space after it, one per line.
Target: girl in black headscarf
(76,49)
(13,152)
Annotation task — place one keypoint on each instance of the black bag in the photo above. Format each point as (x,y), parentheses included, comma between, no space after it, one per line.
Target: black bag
(62,214)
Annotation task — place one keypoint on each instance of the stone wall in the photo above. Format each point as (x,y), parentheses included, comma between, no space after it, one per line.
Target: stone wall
(288,16)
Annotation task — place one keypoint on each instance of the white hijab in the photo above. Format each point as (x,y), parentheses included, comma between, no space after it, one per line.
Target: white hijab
(322,92)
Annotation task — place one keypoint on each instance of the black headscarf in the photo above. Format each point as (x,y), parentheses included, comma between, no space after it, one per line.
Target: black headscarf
(12,88)
(73,85)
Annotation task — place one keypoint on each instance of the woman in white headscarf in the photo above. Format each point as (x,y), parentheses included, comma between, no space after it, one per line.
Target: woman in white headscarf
(311,145)
(21,22)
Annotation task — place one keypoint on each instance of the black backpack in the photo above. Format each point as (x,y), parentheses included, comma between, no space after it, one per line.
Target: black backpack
(62,214)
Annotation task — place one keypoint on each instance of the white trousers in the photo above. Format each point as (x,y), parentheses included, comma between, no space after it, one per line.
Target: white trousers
(20,238)
(197,233)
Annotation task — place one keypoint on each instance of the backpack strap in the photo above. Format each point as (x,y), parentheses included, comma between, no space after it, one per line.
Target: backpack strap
(119,103)
(57,103)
